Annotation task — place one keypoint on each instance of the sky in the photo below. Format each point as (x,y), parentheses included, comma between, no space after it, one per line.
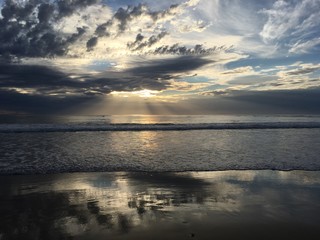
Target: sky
(160,57)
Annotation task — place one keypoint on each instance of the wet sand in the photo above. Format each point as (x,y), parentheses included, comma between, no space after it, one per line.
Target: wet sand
(190,205)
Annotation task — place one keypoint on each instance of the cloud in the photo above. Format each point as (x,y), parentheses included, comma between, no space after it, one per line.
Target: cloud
(297,70)
(147,19)
(42,80)
(304,70)
(101,30)
(215,93)
(45,12)
(67,7)
(182,64)
(13,101)
(251,80)
(92,42)
(304,46)
(240,70)
(32,82)
(293,25)
(123,17)
(198,49)
(172,47)
(75,36)
(41,28)
(262,28)
(138,41)
(138,44)
(27,28)
(303,101)
(300,100)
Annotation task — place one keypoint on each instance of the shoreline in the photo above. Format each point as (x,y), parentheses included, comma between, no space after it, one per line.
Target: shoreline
(173,205)
(34,174)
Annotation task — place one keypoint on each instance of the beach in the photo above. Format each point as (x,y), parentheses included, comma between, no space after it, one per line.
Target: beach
(185,205)
(105,181)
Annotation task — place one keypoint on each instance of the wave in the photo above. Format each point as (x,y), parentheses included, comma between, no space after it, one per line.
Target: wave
(25,128)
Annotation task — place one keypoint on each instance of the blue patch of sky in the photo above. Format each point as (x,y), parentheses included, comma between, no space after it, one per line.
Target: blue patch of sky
(315,74)
(195,79)
(100,65)
(153,5)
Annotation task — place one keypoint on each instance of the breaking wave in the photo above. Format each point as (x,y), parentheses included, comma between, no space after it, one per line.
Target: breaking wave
(23,128)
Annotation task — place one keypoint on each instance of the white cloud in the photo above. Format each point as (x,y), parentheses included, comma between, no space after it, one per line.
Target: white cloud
(236,23)
(231,17)
(293,25)
(89,17)
(304,46)
(240,71)
(263,28)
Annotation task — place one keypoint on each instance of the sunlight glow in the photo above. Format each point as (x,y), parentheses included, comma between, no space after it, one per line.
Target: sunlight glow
(145,93)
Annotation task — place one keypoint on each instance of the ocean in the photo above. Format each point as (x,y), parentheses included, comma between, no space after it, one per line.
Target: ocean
(42,145)
(160,177)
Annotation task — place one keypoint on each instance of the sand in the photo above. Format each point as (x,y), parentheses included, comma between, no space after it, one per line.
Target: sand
(191,205)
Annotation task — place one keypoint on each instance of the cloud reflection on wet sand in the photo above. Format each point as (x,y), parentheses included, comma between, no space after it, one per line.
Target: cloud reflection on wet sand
(199,205)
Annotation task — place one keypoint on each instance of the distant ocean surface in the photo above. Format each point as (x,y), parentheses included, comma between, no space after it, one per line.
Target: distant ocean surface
(40,145)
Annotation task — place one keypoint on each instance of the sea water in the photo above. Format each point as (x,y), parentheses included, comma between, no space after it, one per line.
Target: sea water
(145,177)
(36,145)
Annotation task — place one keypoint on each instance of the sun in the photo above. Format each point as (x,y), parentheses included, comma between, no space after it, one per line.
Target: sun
(145,93)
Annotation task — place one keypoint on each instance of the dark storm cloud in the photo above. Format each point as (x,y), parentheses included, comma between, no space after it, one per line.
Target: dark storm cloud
(45,12)
(139,45)
(26,30)
(176,49)
(17,102)
(304,101)
(67,7)
(101,30)
(301,100)
(23,85)
(126,15)
(123,17)
(138,41)
(40,89)
(74,37)
(41,80)
(92,42)
(153,75)
(182,64)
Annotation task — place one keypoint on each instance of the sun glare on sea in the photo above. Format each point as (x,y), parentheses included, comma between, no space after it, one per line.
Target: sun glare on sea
(145,93)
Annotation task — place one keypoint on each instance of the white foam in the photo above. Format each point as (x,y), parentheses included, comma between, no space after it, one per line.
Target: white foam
(21,128)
